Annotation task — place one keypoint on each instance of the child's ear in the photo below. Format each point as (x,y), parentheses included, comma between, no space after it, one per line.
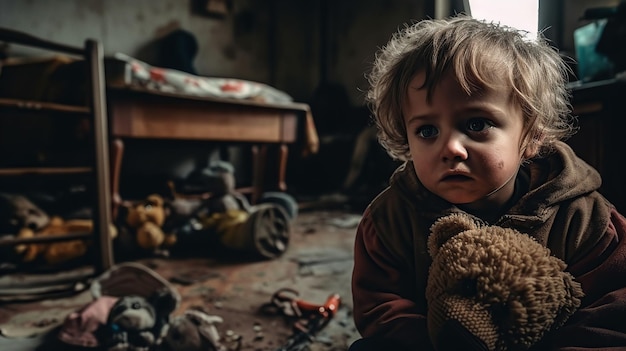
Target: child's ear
(532,147)
(531,150)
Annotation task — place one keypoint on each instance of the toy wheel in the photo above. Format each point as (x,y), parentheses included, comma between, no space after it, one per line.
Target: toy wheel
(268,225)
(286,201)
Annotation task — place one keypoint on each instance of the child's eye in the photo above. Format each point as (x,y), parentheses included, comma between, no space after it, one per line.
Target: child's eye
(478,124)
(427,132)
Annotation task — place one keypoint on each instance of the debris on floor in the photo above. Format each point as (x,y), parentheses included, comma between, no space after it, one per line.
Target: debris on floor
(227,296)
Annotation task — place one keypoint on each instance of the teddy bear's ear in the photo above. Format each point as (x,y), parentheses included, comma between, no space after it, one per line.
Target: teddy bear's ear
(164,301)
(446,227)
(155,200)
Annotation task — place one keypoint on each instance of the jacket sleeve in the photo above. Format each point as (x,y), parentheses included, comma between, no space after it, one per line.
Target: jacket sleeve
(382,293)
(600,323)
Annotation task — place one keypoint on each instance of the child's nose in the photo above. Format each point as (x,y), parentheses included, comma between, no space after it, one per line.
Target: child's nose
(453,148)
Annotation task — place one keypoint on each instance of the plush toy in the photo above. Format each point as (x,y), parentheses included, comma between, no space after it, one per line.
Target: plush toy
(205,191)
(18,211)
(193,331)
(218,182)
(146,220)
(136,323)
(60,251)
(493,288)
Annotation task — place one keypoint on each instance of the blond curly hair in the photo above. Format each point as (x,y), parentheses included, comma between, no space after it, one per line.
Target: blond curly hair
(482,55)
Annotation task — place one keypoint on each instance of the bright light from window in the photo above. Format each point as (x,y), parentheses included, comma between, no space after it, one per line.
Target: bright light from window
(520,14)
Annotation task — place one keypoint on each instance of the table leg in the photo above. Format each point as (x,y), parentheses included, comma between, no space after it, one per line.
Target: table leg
(117,153)
(259,157)
(283,153)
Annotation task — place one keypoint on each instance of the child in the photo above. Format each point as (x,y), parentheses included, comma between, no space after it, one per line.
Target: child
(477,111)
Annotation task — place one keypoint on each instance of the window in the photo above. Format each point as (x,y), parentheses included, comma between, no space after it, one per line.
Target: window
(520,14)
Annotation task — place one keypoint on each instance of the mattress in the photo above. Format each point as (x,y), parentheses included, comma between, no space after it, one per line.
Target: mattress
(125,71)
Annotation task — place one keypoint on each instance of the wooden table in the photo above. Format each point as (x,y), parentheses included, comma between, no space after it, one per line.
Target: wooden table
(143,114)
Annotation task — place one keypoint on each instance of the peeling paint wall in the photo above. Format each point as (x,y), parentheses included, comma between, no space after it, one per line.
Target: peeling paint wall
(132,26)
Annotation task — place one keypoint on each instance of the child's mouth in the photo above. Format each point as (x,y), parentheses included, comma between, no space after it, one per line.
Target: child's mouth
(455,178)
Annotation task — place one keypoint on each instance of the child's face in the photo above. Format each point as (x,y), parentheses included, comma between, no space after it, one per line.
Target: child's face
(464,149)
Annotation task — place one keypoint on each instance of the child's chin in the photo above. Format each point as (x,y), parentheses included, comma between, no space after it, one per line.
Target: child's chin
(459,199)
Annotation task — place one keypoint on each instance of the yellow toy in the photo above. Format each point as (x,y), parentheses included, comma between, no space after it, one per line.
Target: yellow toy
(146,219)
(61,251)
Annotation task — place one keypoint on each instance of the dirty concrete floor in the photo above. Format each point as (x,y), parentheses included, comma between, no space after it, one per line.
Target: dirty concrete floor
(317,263)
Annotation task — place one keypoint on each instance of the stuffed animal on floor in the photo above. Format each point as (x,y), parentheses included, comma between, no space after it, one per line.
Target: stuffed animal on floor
(218,181)
(60,251)
(492,288)
(18,211)
(136,323)
(193,331)
(146,220)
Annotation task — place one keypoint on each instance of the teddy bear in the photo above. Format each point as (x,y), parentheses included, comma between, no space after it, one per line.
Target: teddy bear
(60,251)
(146,220)
(194,330)
(493,288)
(18,211)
